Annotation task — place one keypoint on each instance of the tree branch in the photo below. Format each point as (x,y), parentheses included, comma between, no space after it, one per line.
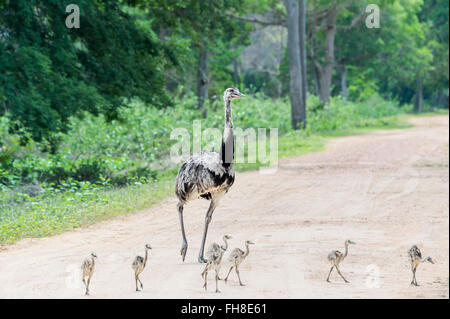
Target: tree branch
(258,21)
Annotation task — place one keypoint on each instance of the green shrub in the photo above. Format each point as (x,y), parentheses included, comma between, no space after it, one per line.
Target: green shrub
(340,115)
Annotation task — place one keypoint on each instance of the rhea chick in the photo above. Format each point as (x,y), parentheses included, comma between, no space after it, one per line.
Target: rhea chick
(215,248)
(139,265)
(415,258)
(236,257)
(88,270)
(336,257)
(214,262)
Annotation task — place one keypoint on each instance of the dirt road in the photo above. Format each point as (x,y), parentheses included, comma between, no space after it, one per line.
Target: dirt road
(385,190)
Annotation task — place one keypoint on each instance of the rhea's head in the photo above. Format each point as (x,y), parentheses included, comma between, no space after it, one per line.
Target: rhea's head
(227,237)
(349,242)
(148,246)
(232,93)
(430,260)
(249,242)
(93,255)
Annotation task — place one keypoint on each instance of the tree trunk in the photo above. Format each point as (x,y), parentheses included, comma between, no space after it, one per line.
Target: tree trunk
(202,78)
(344,83)
(327,69)
(295,70)
(442,99)
(418,103)
(316,80)
(302,37)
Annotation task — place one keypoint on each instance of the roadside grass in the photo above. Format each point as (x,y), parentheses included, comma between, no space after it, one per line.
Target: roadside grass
(434,112)
(86,205)
(69,210)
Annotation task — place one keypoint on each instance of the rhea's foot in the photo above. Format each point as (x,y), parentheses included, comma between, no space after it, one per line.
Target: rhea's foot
(183,251)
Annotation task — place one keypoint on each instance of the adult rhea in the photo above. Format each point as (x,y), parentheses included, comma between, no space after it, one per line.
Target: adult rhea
(208,174)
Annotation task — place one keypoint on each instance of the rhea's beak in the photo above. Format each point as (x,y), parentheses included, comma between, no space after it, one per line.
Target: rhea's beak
(238,95)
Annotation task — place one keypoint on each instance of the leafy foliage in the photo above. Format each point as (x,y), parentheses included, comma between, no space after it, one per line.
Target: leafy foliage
(49,72)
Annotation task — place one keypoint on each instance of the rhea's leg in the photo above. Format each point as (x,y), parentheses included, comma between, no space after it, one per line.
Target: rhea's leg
(136,280)
(208,217)
(239,276)
(184,246)
(217,281)
(226,278)
(328,278)
(337,268)
(85,287)
(415,279)
(88,283)
(206,279)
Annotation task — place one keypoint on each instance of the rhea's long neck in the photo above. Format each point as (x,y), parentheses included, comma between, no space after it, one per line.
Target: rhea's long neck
(346,250)
(225,247)
(247,250)
(227,149)
(146,256)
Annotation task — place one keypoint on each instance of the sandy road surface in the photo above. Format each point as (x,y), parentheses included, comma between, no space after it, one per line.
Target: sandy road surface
(385,190)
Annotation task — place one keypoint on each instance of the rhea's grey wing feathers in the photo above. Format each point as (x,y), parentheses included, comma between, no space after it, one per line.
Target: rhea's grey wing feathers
(213,249)
(332,255)
(235,254)
(200,174)
(414,253)
(138,260)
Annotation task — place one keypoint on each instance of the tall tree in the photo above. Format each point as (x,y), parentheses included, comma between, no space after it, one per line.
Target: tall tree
(303,55)
(204,23)
(434,14)
(404,61)
(298,110)
(49,72)
(322,33)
